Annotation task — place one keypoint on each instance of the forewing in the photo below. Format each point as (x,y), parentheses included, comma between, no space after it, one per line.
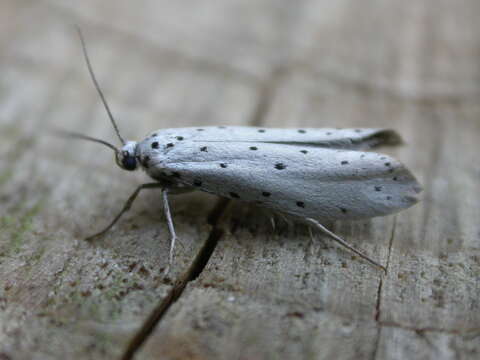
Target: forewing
(362,138)
(305,181)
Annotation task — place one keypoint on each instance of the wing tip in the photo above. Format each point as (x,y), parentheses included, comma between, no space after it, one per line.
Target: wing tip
(387,137)
(414,189)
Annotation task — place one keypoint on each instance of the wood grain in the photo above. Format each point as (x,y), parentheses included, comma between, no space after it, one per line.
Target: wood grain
(265,293)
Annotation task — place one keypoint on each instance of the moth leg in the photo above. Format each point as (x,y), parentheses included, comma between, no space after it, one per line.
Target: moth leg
(272,221)
(312,241)
(344,243)
(171,228)
(126,207)
(311,234)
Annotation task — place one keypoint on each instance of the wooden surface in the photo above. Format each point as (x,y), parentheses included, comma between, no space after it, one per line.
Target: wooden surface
(264,293)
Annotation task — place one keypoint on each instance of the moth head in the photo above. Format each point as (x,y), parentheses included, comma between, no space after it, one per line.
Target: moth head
(126,158)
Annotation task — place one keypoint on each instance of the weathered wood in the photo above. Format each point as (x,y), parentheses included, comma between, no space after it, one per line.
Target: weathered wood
(265,293)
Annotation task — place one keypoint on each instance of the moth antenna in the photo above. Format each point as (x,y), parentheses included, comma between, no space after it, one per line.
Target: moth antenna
(75,135)
(95,82)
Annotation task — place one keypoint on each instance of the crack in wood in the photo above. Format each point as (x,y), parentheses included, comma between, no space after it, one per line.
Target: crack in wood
(380,284)
(380,288)
(195,268)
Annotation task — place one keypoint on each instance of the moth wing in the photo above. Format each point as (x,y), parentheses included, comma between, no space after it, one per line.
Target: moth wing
(312,182)
(361,138)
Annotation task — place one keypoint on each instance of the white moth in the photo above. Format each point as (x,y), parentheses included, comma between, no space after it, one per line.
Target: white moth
(314,174)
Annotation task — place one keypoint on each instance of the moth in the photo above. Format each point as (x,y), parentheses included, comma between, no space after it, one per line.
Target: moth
(313,174)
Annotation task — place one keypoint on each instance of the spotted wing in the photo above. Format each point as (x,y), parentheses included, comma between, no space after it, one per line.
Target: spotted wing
(302,180)
(362,138)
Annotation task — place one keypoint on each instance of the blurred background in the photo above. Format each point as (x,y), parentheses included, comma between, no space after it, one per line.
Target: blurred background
(408,65)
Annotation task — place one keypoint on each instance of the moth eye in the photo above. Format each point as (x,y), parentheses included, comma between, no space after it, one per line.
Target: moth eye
(129,163)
